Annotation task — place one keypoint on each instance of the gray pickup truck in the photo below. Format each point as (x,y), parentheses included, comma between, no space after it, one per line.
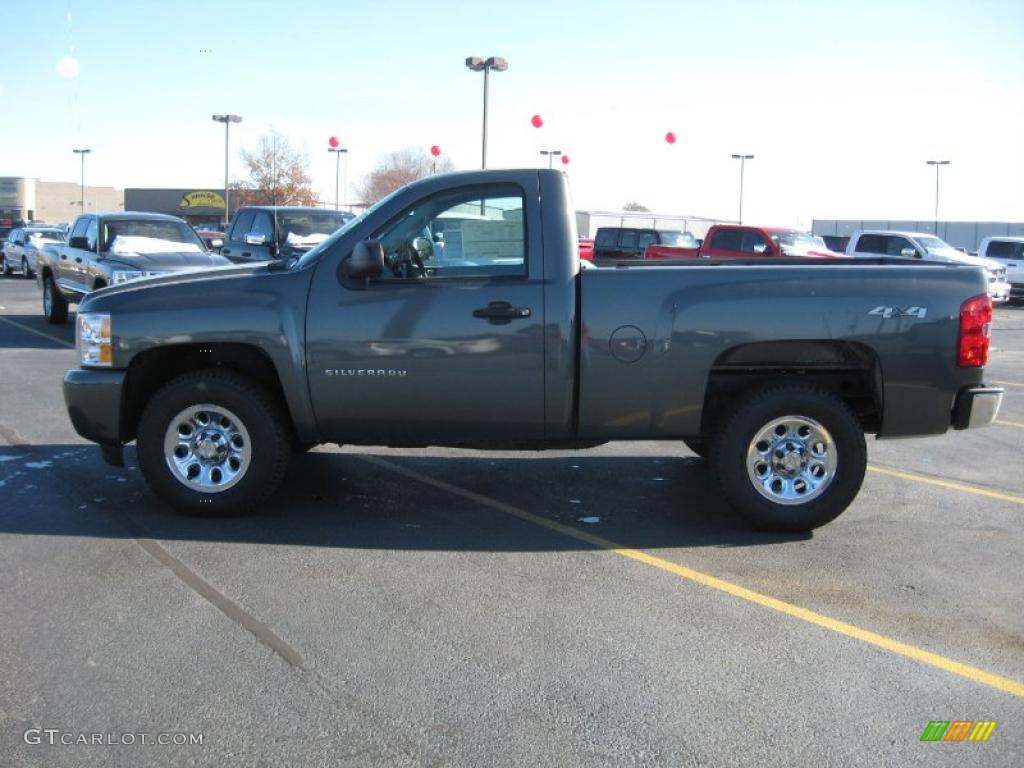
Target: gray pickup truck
(109,248)
(455,312)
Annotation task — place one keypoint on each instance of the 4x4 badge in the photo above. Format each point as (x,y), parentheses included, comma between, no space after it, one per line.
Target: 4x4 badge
(887,312)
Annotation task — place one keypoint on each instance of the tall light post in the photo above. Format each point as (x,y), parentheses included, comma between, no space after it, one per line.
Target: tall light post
(227,120)
(82,153)
(477,64)
(338,152)
(937,164)
(552,154)
(743,160)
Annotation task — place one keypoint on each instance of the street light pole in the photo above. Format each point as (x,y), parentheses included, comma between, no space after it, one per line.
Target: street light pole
(338,152)
(743,160)
(552,154)
(937,164)
(227,120)
(477,64)
(82,153)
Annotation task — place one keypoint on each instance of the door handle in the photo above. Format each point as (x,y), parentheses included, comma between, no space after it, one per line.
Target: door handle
(501,311)
(78,260)
(63,257)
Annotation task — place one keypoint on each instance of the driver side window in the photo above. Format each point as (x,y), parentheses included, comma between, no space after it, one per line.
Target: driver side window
(464,233)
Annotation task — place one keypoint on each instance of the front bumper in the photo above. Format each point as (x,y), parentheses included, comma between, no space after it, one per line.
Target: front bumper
(977,407)
(93,400)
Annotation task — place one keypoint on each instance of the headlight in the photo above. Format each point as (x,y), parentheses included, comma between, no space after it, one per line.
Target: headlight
(92,339)
(124,275)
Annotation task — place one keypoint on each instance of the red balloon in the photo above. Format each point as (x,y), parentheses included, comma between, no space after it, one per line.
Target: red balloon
(670,137)
(333,141)
(565,159)
(537,121)
(435,150)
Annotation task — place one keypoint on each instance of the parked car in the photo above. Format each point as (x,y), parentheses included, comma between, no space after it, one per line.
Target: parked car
(586,248)
(364,340)
(631,242)
(21,249)
(921,245)
(212,238)
(110,248)
(735,241)
(262,233)
(1008,251)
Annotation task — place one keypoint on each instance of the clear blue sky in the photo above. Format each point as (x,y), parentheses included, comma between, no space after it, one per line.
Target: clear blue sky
(841,102)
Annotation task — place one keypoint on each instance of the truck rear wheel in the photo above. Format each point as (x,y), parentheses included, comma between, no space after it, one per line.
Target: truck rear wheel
(55,306)
(213,443)
(791,458)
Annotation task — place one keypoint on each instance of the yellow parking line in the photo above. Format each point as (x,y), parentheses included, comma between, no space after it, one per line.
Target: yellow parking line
(953,486)
(841,627)
(1019,424)
(1008,383)
(37,333)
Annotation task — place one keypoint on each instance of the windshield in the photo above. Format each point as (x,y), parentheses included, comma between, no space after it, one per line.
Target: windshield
(678,239)
(930,243)
(46,234)
(298,227)
(798,240)
(151,236)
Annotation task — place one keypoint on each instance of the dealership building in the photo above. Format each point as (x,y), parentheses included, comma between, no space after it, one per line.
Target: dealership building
(196,205)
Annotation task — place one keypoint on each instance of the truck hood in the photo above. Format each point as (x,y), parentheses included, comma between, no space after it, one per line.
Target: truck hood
(229,272)
(171,260)
(953,256)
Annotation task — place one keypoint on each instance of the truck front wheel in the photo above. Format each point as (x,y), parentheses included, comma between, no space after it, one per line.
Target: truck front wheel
(55,306)
(213,443)
(791,458)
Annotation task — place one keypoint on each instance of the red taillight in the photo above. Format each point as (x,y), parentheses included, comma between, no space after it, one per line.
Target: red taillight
(975,332)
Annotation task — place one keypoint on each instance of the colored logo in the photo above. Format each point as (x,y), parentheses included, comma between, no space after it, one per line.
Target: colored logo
(201,200)
(958,730)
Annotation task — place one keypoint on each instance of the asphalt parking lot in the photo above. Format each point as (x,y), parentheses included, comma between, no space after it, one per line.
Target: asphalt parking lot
(445,607)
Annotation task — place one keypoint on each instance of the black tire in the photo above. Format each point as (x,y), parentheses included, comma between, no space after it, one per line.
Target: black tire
(56,311)
(698,445)
(5,268)
(735,437)
(260,415)
(25,271)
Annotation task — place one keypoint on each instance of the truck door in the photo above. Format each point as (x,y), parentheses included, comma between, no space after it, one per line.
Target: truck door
(76,255)
(447,346)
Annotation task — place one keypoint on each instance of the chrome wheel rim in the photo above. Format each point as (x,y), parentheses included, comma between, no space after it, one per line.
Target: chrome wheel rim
(207,448)
(792,460)
(47,298)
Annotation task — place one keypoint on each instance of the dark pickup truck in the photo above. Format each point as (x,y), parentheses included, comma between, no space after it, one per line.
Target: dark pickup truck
(266,232)
(385,334)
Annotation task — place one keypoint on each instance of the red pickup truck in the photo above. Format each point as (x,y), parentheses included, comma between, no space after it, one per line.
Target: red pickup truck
(733,241)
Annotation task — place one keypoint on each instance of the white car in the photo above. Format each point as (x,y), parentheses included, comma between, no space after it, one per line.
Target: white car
(1008,251)
(921,245)
(21,249)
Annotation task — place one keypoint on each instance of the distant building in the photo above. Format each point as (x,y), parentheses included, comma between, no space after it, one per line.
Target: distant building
(588,222)
(24,199)
(960,234)
(197,205)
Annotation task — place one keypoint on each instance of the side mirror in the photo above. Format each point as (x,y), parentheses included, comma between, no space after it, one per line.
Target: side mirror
(910,253)
(366,261)
(80,242)
(255,239)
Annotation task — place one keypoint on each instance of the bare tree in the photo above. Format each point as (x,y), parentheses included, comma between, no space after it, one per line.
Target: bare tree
(277,174)
(635,206)
(398,169)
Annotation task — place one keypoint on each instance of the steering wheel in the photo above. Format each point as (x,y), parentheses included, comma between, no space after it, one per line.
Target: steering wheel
(406,260)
